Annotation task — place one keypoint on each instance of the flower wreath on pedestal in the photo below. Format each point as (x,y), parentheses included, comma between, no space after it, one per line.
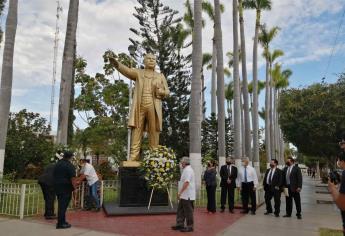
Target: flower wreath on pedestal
(159,165)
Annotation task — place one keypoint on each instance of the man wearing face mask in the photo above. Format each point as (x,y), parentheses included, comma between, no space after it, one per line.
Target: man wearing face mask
(292,177)
(272,185)
(247,182)
(228,174)
(339,195)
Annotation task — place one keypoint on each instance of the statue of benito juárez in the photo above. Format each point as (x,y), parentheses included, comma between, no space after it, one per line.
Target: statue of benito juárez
(146,109)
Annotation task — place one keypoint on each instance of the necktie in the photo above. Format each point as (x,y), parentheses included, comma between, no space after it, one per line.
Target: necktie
(245,174)
(229,170)
(270,177)
(288,175)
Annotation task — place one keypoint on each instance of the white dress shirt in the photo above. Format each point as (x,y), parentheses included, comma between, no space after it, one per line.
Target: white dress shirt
(270,174)
(187,176)
(251,176)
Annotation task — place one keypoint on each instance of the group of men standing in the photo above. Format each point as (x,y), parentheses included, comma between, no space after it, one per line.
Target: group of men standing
(276,181)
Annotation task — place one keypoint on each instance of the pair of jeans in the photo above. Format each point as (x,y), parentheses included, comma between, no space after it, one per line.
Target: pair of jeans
(93,193)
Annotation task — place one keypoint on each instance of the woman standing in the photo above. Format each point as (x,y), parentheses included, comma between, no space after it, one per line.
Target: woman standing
(211,185)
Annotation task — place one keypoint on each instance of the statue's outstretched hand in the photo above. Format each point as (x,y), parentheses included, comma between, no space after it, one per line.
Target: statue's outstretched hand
(114,62)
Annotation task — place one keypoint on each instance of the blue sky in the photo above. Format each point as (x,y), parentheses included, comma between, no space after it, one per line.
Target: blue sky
(308,31)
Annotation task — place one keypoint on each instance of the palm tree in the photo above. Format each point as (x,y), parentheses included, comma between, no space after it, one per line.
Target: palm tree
(209,10)
(245,94)
(7,77)
(195,113)
(229,96)
(237,91)
(67,71)
(281,81)
(265,38)
(220,82)
(206,58)
(258,5)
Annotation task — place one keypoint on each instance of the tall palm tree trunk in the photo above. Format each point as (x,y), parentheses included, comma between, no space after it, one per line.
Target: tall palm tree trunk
(267,114)
(214,76)
(255,93)
(273,123)
(247,131)
(220,83)
(67,72)
(237,92)
(7,77)
(195,106)
(276,125)
(242,124)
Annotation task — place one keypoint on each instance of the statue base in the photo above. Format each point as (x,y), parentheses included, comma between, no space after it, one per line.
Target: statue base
(130,164)
(134,191)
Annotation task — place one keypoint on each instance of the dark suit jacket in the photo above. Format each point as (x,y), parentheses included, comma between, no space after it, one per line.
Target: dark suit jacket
(224,175)
(295,178)
(277,180)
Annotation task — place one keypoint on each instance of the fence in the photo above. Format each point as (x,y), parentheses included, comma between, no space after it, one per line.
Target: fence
(24,200)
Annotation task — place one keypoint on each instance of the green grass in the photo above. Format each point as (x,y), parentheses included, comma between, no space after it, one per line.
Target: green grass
(330,232)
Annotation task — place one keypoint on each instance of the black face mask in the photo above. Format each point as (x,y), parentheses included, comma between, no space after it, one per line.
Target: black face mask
(288,163)
(228,163)
(272,166)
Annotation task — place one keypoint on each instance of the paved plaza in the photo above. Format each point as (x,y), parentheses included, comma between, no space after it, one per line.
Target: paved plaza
(315,216)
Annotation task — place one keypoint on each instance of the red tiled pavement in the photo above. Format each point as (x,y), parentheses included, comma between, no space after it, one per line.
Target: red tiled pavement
(151,225)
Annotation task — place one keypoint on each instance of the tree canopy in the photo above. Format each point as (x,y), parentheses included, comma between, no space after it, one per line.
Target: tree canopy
(313,118)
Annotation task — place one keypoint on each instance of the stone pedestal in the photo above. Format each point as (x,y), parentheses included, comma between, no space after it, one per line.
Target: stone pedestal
(134,191)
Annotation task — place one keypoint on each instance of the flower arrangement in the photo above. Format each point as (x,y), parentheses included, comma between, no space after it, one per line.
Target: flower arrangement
(159,166)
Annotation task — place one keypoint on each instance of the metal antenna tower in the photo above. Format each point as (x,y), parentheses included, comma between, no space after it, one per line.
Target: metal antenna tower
(56,48)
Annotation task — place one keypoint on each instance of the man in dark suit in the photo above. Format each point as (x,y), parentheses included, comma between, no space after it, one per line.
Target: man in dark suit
(273,182)
(292,177)
(228,174)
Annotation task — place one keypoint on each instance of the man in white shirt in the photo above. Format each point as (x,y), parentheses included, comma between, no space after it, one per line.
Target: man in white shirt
(88,172)
(186,196)
(247,182)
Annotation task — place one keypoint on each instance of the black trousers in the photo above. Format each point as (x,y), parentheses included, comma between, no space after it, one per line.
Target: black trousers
(297,198)
(49,198)
(228,190)
(185,210)
(246,194)
(211,198)
(275,194)
(63,201)
(343,219)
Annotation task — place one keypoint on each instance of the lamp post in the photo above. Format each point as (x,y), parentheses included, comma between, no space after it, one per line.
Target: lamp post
(131,50)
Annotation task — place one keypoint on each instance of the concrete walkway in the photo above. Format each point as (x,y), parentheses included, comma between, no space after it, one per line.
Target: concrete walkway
(13,227)
(314,215)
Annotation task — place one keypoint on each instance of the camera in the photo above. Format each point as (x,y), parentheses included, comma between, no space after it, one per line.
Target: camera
(334,177)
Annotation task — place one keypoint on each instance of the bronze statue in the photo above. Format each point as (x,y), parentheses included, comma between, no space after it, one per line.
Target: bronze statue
(146,109)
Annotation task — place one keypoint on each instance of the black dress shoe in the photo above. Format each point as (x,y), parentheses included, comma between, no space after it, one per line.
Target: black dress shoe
(177,227)
(276,215)
(231,211)
(244,212)
(267,213)
(299,217)
(222,210)
(50,217)
(253,213)
(286,216)
(63,226)
(187,229)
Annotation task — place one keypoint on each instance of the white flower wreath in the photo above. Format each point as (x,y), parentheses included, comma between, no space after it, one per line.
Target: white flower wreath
(159,165)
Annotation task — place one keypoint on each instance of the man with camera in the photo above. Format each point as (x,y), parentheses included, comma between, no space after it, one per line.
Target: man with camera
(334,178)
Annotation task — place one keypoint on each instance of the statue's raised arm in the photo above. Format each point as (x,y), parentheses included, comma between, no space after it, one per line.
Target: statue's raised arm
(130,73)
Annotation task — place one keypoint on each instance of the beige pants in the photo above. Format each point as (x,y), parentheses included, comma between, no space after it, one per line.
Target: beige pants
(147,116)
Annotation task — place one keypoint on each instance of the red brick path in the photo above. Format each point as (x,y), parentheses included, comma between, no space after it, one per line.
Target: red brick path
(205,224)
